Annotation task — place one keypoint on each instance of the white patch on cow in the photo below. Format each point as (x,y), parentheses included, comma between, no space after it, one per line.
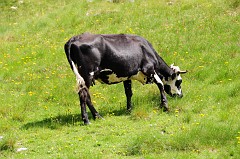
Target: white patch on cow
(140,77)
(157,78)
(106,70)
(80,80)
(91,73)
(112,78)
(175,68)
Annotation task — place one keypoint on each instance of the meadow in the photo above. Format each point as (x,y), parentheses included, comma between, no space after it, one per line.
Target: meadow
(39,107)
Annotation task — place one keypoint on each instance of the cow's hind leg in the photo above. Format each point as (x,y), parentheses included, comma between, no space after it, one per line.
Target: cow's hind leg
(128,92)
(95,114)
(159,83)
(83,95)
(85,99)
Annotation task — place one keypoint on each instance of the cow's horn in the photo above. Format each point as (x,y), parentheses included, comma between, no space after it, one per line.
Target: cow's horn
(182,72)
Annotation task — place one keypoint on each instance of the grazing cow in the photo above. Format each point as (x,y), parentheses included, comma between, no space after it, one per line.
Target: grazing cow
(118,58)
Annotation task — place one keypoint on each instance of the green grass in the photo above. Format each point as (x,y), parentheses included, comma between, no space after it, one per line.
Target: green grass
(39,108)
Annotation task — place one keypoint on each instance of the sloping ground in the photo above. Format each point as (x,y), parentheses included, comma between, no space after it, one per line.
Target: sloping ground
(39,108)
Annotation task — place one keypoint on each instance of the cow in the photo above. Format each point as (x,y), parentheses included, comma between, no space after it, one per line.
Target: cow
(115,58)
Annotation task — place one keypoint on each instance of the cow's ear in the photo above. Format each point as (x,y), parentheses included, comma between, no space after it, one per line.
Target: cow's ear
(183,72)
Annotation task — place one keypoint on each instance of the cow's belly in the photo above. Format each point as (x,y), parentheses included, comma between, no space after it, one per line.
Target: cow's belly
(109,77)
(140,77)
(112,79)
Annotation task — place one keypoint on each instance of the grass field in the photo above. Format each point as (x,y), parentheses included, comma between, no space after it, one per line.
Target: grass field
(39,108)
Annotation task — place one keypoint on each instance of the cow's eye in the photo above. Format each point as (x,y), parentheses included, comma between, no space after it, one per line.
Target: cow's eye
(178,83)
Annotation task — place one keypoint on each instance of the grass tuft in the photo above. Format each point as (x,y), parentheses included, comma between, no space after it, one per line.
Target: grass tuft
(7,144)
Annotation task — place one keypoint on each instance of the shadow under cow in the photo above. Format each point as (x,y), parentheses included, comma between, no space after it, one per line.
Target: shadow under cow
(54,122)
(67,120)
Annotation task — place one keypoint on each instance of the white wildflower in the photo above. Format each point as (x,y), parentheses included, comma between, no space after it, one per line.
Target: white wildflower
(13,7)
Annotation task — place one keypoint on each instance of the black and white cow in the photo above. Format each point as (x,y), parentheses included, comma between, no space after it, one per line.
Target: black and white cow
(118,58)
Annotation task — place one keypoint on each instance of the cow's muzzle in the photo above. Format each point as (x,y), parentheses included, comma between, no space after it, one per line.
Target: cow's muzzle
(177,95)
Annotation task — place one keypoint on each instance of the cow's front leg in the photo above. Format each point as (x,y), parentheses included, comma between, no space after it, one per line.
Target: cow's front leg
(128,92)
(164,103)
(83,95)
(159,83)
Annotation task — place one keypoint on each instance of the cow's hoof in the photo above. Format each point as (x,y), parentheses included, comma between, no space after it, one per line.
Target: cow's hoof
(128,111)
(164,107)
(87,123)
(97,116)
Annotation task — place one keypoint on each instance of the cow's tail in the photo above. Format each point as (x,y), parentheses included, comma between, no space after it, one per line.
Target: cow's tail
(72,52)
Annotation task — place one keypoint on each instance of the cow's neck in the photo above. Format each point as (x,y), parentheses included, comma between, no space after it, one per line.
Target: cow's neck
(164,69)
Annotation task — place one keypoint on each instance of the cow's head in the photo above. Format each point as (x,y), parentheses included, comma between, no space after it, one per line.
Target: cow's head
(172,85)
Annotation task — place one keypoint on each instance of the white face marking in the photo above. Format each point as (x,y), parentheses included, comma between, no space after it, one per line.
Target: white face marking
(175,68)
(172,82)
